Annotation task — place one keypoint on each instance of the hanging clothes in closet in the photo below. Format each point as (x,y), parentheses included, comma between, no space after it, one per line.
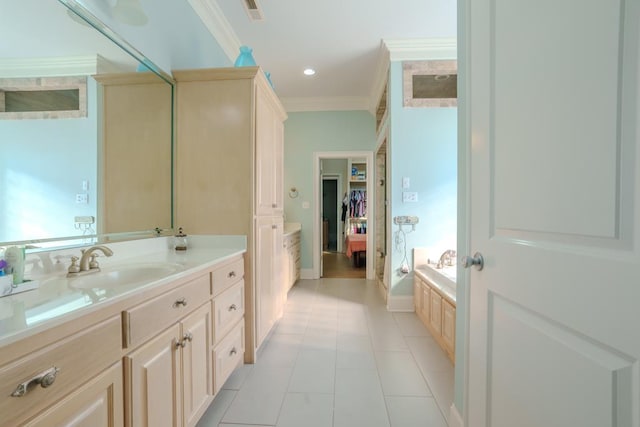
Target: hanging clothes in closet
(358,203)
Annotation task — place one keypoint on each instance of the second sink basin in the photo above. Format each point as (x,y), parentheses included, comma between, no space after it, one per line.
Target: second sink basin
(124,275)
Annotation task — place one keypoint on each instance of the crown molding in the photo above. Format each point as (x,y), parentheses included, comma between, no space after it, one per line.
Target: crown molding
(421,49)
(380,79)
(211,15)
(54,67)
(336,103)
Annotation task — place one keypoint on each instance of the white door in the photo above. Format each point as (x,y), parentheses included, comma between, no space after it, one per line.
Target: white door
(554,191)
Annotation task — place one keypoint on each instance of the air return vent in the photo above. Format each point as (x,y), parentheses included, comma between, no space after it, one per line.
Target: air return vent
(253,10)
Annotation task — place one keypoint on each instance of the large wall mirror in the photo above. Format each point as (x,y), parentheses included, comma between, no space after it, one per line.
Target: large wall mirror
(85,130)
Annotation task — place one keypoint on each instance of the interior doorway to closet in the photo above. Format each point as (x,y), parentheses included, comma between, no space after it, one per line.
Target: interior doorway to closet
(342,246)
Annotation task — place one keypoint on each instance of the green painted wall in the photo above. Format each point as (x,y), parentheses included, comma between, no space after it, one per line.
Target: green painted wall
(423,147)
(309,132)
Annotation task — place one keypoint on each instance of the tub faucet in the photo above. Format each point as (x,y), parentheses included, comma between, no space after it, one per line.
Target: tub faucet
(446,259)
(88,263)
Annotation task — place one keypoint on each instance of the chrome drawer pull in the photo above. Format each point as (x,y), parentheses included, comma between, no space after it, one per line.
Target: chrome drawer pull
(233,351)
(233,307)
(45,379)
(180,302)
(231,274)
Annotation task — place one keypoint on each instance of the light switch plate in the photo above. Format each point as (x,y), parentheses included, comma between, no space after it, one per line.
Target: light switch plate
(406,182)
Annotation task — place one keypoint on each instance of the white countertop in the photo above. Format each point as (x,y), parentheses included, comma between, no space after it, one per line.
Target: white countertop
(57,300)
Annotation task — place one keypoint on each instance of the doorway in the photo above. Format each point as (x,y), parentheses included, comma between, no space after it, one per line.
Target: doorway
(340,262)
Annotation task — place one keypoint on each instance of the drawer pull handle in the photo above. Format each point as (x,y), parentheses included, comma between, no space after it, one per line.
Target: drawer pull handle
(231,274)
(45,379)
(233,351)
(180,302)
(233,307)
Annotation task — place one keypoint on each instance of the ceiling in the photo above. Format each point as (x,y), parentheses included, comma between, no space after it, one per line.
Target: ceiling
(340,39)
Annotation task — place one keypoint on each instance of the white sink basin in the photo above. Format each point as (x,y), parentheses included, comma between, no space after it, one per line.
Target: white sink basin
(124,275)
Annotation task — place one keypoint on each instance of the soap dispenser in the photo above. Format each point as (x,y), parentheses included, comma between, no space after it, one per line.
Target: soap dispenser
(180,241)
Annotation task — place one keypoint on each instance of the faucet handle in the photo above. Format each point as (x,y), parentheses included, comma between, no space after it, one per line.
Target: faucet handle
(94,263)
(74,267)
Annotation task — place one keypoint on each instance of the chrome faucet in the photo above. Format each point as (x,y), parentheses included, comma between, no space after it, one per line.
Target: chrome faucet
(446,259)
(88,263)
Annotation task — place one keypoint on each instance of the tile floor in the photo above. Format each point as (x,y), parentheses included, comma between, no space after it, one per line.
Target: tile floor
(338,358)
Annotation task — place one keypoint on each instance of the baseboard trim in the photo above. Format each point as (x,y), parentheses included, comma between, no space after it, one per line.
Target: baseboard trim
(400,303)
(455,419)
(306,273)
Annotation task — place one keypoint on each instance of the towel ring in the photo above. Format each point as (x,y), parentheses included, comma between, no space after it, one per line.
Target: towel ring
(293,192)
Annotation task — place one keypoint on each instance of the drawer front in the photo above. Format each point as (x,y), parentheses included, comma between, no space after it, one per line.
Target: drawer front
(152,317)
(78,358)
(225,276)
(228,308)
(227,355)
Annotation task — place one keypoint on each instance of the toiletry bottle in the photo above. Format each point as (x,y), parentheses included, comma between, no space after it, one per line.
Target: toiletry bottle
(14,256)
(180,241)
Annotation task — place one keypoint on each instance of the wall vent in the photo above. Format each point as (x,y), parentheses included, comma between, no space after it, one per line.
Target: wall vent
(253,10)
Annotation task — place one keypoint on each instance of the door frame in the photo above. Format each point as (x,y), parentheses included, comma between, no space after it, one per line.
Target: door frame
(338,178)
(317,197)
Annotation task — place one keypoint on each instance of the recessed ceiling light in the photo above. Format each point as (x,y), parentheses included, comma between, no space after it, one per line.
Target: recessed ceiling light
(309,71)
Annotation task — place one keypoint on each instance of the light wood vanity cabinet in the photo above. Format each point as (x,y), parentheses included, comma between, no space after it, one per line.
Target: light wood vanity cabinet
(230,133)
(437,312)
(145,365)
(169,379)
(291,260)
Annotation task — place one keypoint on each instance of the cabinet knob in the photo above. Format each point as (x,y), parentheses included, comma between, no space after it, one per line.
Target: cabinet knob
(180,302)
(233,307)
(231,274)
(45,379)
(233,351)
(273,205)
(188,337)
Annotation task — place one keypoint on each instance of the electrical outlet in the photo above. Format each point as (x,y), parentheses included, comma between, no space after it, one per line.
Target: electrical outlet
(82,198)
(409,196)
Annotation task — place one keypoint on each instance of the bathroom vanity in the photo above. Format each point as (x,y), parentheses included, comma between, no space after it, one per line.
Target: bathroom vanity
(130,350)
(434,297)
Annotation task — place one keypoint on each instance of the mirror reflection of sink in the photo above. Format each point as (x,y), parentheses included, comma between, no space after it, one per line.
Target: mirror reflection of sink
(114,276)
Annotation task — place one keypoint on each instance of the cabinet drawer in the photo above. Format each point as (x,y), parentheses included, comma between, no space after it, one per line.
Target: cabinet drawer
(78,358)
(227,275)
(228,308)
(227,356)
(150,318)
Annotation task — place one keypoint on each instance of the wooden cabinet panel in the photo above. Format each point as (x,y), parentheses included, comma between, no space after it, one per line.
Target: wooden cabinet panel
(435,317)
(417,295)
(98,403)
(224,277)
(227,355)
(269,284)
(228,309)
(449,326)
(144,321)
(101,346)
(426,302)
(196,368)
(154,380)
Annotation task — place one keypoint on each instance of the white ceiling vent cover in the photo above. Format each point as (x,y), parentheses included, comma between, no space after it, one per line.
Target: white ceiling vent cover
(253,10)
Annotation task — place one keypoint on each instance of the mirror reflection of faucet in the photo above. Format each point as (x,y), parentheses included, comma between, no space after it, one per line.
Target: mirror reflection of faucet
(88,262)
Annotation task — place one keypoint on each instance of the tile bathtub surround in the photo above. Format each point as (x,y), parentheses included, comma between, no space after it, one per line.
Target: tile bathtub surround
(339,358)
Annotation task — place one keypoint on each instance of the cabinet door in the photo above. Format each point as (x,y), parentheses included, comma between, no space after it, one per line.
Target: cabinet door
(196,359)
(269,284)
(263,274)
(417,295)
(436,312)
(265,155)
(154,382)
(278,166)
(449,326)
(425,292)
(98,403)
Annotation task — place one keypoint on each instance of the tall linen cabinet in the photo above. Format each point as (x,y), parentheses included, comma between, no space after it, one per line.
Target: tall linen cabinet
(229,178)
